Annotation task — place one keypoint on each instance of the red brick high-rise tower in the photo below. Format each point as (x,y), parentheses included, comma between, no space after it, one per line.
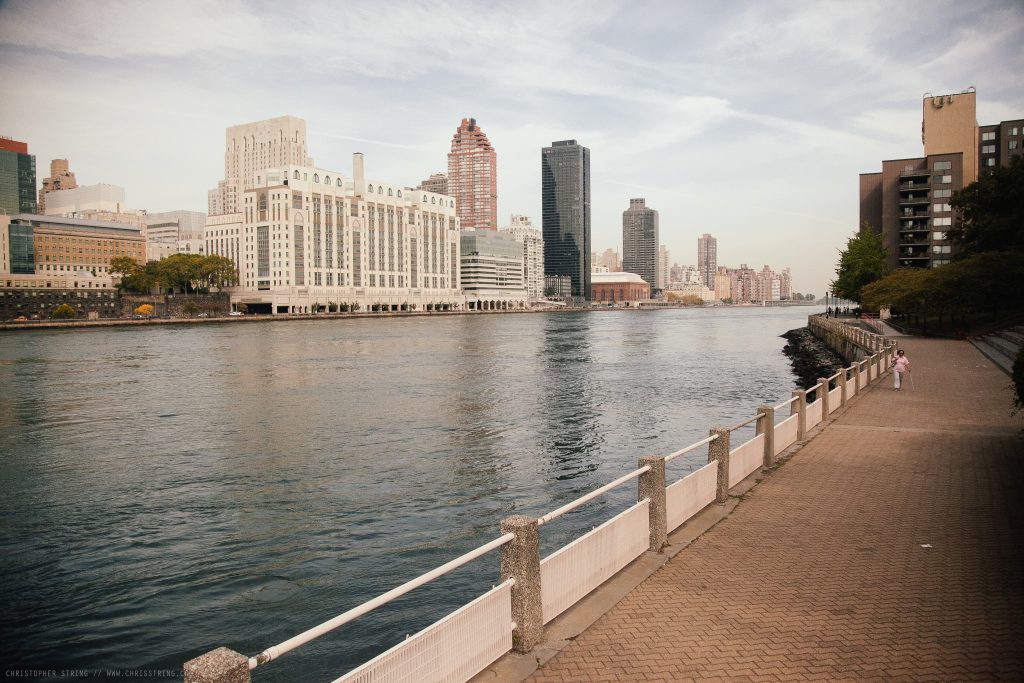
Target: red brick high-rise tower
(473,178)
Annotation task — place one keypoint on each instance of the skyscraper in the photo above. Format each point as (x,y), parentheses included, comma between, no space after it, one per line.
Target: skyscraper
(640,241)
(473,177)
(60,179)
(707,259)
(17,178)
(565,186)
(249,148)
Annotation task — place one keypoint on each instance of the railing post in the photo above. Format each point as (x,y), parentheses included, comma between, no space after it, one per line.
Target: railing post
(799,408)
(823,394)
(217,666)
(651,486)
(766,425)
(857,369)
(718,450)
(842,386)
(520,560)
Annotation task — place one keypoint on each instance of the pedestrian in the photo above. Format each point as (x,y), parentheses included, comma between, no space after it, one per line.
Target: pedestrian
(900,364)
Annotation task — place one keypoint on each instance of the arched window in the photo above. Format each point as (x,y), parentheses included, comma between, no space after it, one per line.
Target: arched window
(424,199)
(380,189)
(327,180)
(296,176)
(316,177)
(433,200)
(451,203)
(339,182)
(390,193)
(369,188)
(399,193)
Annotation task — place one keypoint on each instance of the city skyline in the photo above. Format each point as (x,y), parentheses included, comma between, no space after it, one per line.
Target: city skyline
(751,123)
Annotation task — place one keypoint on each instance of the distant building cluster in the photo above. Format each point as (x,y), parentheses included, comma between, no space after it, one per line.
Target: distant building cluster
(306,237)
(908,201)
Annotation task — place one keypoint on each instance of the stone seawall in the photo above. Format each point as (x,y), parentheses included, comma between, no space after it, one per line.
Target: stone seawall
(811,357)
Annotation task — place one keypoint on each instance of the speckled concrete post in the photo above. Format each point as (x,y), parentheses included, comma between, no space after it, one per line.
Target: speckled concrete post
(766,426)
(856,375)
(718,450)
(799,408)
(842,386)
(520,560)
(822,393)
(652,486)
(218,666)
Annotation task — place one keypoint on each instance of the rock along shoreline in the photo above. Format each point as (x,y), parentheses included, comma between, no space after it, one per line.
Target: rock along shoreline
(810,357)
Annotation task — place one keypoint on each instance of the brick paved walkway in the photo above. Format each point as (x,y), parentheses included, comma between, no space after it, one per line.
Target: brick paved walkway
(888,548)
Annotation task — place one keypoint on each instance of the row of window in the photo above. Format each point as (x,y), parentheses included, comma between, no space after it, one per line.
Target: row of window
(991,135)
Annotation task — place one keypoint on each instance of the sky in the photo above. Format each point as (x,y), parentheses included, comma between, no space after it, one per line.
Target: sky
(747,120)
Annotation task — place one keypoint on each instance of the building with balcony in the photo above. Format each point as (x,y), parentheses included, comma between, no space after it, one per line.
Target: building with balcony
(707,258)
(521,228)
(473,177)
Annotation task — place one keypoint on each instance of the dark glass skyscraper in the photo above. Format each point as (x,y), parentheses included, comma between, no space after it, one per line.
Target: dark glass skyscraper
(565,184)
(640,241)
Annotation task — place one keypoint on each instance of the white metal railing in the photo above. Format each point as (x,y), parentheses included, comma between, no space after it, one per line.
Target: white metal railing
(272,653)
(691,447)
(590,496)
(786,403)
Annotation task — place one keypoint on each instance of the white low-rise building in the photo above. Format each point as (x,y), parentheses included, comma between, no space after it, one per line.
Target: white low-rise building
(313,238)
(533,255)
(491,264)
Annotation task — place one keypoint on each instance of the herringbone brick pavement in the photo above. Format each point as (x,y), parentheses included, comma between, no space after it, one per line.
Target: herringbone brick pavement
(888,548)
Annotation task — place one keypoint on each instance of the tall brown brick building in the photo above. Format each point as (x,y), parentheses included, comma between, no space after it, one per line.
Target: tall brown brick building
(473,177)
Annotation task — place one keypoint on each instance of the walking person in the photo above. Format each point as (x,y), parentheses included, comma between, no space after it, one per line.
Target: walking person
(900,364)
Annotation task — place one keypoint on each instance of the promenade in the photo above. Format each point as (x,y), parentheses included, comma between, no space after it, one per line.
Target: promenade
(889,547)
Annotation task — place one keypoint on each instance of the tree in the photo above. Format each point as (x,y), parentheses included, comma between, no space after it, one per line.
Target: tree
(862,262)
(64,312)
(144,309)
(991,212)
(135,277)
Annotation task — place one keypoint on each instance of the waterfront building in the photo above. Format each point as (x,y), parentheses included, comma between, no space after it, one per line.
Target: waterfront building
(908,202)
(66,253)
(664,258)
(565,187)
(619,288)
(707,258)
(60,178)
(17,178)
(165,230)
(640,241)
(678,290)
(222,235)
(491,266)
(473,177)
(723,284)
(521,228)
(558,286)
(313,237)
(436,183)
(785,284)
(251,147)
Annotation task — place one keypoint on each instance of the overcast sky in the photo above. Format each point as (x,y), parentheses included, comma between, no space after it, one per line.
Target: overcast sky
(747,120)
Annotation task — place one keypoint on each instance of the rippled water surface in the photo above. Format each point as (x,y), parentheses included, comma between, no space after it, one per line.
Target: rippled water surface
(168,490)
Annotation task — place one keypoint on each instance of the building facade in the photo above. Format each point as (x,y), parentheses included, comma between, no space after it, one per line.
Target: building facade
(620,287)
(640,241)
(664,267)
(436,183)
(608,260)
(707,258)
(312,237)
(491,268)
(60,178)
(473,177)
(82,199)
(565,201)
(251,147)
(521,229)
(908,202)
(17,178)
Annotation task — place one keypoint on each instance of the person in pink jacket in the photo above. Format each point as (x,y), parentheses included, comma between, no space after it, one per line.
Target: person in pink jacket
(900,364)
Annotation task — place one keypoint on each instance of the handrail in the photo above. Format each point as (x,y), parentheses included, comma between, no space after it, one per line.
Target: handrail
(272,653)
(785,403)
(673,456)
(835,376)
(590,496)
(744,424)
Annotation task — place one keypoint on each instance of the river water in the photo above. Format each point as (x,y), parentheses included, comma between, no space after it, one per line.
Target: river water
(168,490)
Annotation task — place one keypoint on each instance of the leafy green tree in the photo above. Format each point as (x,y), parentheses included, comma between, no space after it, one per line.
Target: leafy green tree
(135,277)
(62,312)
(861,263)
(991,212)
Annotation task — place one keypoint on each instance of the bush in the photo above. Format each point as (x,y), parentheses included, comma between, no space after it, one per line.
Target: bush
(64,311)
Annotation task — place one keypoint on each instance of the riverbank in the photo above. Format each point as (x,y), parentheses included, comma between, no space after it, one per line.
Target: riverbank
(811,358)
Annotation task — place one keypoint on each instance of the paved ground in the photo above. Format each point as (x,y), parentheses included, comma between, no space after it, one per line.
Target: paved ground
(888,548)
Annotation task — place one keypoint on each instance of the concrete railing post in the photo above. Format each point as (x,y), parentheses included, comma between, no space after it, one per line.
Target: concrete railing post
(823,397)
(651,486)
(718,450)
(217,666)
(766,425)
(857,369)
(799,408)
(842,386)
(520,560)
